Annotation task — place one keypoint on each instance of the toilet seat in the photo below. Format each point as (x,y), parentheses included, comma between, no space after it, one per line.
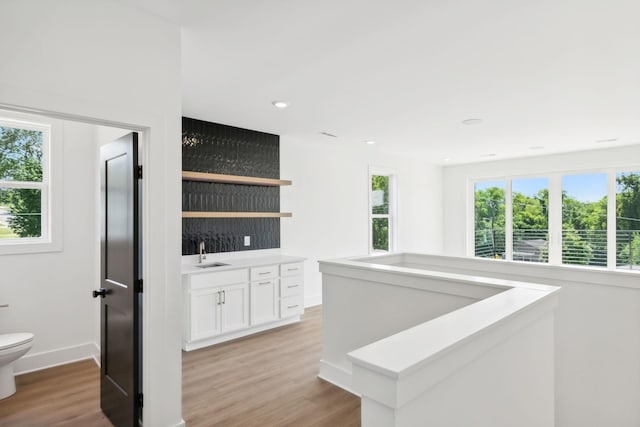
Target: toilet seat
(8,341)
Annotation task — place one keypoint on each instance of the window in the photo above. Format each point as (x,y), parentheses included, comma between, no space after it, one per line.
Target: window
(25,184)
(590,219)
(530,229)
(628,220)
(584,219)
(489,219)
(381,210)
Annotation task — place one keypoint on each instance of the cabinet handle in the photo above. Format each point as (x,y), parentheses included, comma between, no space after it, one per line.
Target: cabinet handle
(224,297)
(219,299)
(4,305)
(292,286)
(292,269)
(263,283)
(292,306)
(263,273)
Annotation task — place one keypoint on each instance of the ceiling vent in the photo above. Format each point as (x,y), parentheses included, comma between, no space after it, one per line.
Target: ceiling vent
(328,134)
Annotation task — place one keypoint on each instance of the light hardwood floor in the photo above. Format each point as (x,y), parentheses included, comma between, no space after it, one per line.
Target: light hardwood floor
(67,395)
(268,379)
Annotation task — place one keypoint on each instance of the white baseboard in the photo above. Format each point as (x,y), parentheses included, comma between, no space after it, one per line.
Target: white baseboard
(62,356)
(312,300)
(337,376)
(194,345)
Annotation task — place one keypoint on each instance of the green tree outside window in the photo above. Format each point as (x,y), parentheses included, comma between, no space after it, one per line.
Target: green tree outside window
(20,162)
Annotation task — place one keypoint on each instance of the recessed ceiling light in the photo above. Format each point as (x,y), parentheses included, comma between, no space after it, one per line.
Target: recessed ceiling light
(446,159)
(489,155)
(280,104)
(369,142)
(472,121)
(602,141)
(536,147)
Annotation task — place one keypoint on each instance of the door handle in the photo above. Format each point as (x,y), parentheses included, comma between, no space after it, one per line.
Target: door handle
(102,292)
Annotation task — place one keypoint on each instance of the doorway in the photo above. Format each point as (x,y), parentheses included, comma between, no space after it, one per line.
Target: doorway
(49,288)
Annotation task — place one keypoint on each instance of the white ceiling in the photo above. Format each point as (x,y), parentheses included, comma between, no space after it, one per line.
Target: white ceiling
(561,74)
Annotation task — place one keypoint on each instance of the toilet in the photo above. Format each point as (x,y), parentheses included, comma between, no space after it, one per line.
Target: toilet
(12,347)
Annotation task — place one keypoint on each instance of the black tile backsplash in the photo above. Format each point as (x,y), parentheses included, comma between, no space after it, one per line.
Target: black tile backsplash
(215,148)
(227,234)
(218,197)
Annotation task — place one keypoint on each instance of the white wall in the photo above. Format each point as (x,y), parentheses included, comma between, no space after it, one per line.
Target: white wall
(104,60)
(456,181)
(329,201)
(49,294)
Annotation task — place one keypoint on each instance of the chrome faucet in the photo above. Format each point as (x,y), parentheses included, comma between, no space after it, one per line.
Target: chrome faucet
(203,254)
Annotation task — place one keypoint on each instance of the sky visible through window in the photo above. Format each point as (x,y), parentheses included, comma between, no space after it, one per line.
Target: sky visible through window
(488,184)
(586,188)
(529,186)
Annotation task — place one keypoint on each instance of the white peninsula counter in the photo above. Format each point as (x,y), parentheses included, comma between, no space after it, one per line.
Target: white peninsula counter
(432,348)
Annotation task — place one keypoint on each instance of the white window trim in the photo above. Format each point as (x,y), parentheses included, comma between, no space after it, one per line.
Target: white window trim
(393,203)
(555,212)
(51,185)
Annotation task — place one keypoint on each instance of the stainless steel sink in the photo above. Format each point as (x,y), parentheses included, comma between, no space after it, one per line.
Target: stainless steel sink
(211,265)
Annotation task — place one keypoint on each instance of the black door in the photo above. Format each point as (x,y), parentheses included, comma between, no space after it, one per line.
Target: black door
(120,308)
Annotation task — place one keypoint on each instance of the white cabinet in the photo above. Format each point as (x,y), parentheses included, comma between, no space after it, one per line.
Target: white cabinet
(216,304)
(231,303)
(291,289)
(218,310)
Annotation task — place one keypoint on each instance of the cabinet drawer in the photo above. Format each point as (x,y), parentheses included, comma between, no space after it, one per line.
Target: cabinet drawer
(266,272)
(265,282)
(199,281)
(291,286)
(292,269)
(291,306)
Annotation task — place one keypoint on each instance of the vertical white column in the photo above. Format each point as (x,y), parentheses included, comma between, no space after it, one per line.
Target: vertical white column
(611,220)
(471,213)
(508,220)
(555,219)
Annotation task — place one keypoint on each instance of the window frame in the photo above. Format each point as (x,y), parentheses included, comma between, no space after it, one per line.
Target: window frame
(555,212)
(50,187)
(392,211)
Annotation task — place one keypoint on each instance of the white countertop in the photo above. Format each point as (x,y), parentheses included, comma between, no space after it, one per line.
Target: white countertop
(238,263)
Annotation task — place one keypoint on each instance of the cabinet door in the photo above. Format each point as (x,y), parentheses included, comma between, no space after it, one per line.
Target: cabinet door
(234,307)
(205,316)
(264,301)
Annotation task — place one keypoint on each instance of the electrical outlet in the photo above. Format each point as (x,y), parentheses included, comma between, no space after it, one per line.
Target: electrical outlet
(247,240)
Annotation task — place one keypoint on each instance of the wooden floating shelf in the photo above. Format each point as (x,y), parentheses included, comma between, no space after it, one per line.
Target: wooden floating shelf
(233,179)
(194,214)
